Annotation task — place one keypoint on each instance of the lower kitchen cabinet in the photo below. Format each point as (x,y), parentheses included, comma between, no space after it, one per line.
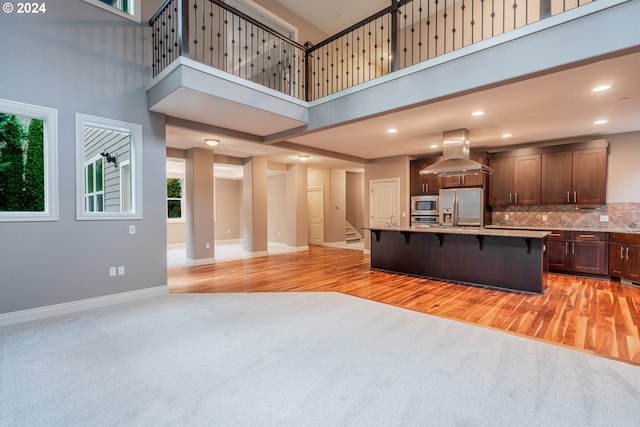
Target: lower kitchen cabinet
(578,252)
(624,256)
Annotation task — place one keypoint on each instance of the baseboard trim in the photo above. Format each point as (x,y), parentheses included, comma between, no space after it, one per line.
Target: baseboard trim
(81,305)
(200,261)
(334,244)
(298,248)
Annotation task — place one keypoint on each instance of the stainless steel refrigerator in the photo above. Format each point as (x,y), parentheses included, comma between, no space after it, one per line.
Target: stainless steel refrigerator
(462,207)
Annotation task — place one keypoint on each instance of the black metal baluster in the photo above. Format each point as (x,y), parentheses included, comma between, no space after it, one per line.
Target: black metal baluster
(463,25)
(444,30)
(453,28)
(493,17)
(420,32)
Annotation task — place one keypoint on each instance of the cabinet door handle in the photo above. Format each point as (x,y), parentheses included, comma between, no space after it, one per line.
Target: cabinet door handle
(516,198)
(575,197)
(510,197)
(621,252)
(627,254)
(555,235)
(587,236)
(566,247)
(568,199)
(427,187)
(573,248)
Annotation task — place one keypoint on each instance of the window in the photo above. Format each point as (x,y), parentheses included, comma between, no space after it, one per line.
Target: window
(128,8)
(94,186)
(109,162)
(28,162)
(174,198)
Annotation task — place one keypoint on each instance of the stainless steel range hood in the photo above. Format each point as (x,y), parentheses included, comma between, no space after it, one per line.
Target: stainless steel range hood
(455,150)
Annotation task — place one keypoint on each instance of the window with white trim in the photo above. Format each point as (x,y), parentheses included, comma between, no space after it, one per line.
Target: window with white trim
(28,162)
(175,201)
(127,8)
(94,185)
(109,168)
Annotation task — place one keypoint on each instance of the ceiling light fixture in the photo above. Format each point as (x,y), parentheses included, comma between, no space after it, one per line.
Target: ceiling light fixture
(434,146)
(600,122)
(392,130)
(601,88)
(477,113)
(506,135)
(303,157)
(212,142)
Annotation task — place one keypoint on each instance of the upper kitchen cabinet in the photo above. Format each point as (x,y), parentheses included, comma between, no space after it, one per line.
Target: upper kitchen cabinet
(575,176)
(515,180)
(474,180)
(423,185)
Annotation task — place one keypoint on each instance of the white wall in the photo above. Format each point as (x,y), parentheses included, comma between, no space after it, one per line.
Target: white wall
(276,208)
(623,180)
(78,58)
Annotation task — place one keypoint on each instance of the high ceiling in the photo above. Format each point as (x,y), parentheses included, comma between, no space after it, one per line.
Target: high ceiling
(555,106)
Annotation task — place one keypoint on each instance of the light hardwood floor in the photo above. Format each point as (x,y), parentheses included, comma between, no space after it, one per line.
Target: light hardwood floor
(601,317)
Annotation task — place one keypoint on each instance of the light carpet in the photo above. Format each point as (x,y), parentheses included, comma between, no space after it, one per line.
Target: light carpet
(296,359)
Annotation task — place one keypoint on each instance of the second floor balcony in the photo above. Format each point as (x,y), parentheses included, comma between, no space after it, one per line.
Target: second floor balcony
(213,64)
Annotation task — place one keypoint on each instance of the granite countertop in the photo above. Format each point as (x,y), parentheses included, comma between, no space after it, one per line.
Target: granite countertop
(476,231)
(584,229)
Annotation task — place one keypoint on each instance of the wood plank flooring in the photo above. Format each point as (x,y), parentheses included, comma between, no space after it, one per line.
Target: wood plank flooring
(600,317)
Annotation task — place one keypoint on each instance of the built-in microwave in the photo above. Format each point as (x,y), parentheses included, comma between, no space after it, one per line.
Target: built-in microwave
(424,205)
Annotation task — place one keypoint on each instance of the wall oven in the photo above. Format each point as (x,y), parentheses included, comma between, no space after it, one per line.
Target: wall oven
(424,205)
(424,220)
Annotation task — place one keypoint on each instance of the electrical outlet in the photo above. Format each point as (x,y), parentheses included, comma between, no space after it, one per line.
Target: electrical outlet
(112,271)
(604,218)
(207,245)
(132,229)
(121,270)
(506,217)
(544,217)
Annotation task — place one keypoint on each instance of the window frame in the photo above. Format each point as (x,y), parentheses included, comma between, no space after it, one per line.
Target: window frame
(49,116)
(135,14)
(94,194)
(182,200)
(135,132)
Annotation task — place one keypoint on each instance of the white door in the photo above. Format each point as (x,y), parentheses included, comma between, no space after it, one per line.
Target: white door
(315,207)
(384,206)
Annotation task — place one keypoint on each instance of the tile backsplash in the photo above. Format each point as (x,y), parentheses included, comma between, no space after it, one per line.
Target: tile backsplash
(620,216)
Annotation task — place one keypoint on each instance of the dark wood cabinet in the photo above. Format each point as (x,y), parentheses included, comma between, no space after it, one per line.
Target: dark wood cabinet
(422,185)
(458,181)
(556,178)
(558,248)
(624,256)
(578,252)
(576,177)
(515,180)
(589,177)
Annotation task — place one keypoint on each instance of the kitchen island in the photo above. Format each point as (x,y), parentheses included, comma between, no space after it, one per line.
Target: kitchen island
(506,259)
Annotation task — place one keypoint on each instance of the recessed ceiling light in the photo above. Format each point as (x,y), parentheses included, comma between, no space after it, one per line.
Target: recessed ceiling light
(477,113)
(601,88)
(392,130)
(212,142)
(506,135)
(434,146)
(303,157)
(600,122)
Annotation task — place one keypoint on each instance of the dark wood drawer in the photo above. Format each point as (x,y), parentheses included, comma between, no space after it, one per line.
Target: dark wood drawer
(558,235)
(625,238)
(588,237)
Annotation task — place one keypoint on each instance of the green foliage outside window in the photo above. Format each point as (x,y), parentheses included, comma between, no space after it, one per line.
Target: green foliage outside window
(174,198)
(21,164)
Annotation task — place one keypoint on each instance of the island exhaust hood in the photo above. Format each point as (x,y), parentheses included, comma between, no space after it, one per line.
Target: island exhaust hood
(455,150)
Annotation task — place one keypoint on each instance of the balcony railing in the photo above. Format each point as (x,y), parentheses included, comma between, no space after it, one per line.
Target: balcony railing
(405,33)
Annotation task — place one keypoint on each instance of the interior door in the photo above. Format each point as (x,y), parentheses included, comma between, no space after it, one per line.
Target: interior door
(315,208)
(384,207)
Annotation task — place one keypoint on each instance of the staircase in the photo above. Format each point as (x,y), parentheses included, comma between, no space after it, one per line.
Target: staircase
(351,234)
